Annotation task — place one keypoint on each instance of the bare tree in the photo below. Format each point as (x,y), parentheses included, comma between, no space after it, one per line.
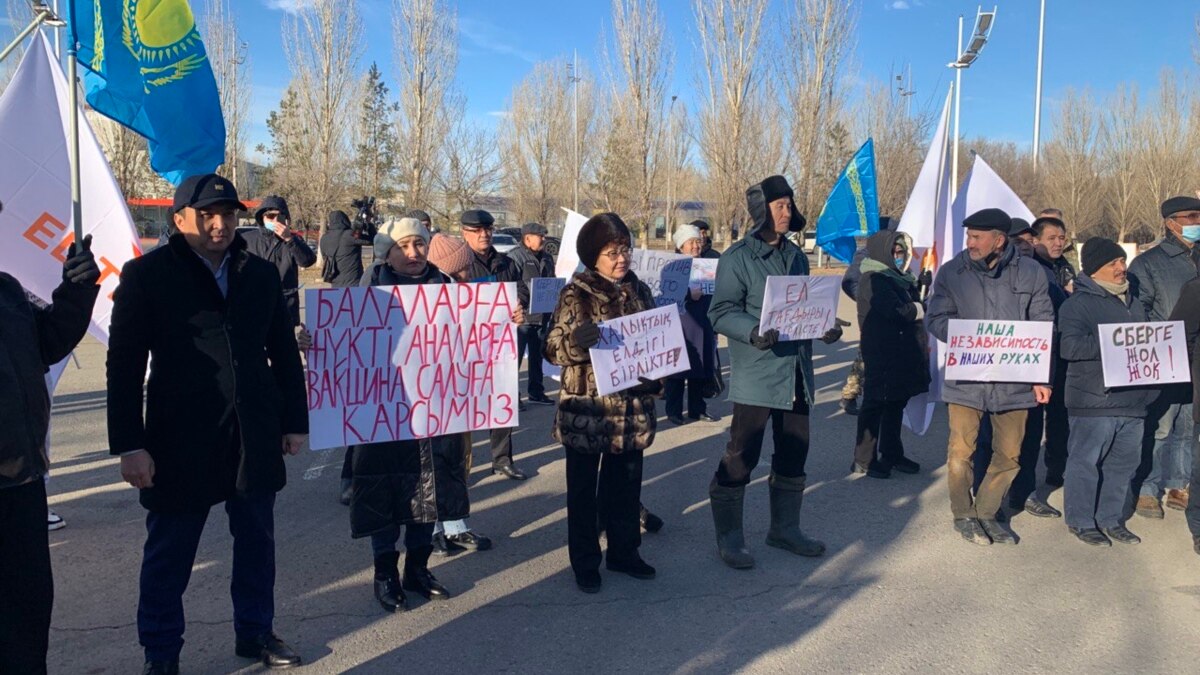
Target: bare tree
(1119,141)
(228,54)
(426,51)
(640,63)
(819,45)
(901,139)
(470,168)
(1013,164)
(732,113)
(1165,165)
(129,158)
(536,138)
(1070,171)
(323,43)
(292,161)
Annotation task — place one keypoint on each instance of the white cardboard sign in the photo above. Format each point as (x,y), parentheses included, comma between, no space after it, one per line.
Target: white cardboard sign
(648,344)
(1135,354)
(983,350)
(704,275)
(800,307)
(543,294)
(667,274)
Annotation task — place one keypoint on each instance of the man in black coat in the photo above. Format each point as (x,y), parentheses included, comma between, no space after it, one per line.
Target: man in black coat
(488,264)
(31,340)
(342,250)
(274,241)
(224,402)
(534,263)
(706,246)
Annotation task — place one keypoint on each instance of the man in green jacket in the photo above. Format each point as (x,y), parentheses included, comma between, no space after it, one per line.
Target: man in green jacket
(772,381)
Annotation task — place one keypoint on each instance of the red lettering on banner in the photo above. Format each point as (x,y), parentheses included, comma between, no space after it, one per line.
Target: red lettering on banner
(41,234)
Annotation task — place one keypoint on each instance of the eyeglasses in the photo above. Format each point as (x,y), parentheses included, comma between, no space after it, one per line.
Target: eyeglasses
(1189,216)
(623,252)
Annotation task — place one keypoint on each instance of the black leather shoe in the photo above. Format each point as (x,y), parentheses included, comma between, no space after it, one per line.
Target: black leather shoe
(588,582)
(509,471)
(879,470)
(469,540)
(704,417)
(1121,534)
(443,548)
(1035,506)
(997,532)
(649,521)
(677,420)
(423,583)
(161,668)
(636,568)
(1090,536)
(273,652)
(972,531)
(905,465)
(390,595)
(540,400)
(521,407)
(850,406)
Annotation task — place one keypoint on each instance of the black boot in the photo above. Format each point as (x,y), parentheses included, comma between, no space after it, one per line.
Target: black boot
(787,495)
(650,522)
(726,505)
(418,578)
(387,582)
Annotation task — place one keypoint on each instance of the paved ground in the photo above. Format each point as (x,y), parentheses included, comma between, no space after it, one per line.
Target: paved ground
(898,590)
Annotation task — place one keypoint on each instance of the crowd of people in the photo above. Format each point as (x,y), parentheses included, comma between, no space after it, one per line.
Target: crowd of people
(207,396)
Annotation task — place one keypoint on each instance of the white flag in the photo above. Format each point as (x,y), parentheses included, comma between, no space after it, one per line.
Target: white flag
(35,185)
(984,189)
(568,255)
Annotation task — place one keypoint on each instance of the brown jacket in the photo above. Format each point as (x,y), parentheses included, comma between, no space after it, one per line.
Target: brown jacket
(586,421)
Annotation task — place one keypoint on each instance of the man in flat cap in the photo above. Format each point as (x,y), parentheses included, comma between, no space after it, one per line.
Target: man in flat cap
(534,263)
(1157,277)
(225,401)
(988,280)
(706,243)
(488,264)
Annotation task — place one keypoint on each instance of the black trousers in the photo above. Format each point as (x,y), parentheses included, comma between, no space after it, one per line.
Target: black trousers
(615,481)
(26,582)
(790,431)
(673,393)
(879,430)
(531,337)
(502,448)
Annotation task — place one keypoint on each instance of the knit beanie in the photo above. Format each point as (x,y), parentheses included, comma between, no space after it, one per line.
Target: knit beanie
(395,230)
(599,231)
(448,254)
(1098,252)
(683,233)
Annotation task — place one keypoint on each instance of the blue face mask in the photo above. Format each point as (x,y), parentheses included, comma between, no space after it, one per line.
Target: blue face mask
(900,263)
(1191,233)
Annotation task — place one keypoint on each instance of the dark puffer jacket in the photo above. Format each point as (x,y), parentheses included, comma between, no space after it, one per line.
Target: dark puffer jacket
(586,421)
(412,481)
(345,250)
(287,257)
(893,348)
(31,340)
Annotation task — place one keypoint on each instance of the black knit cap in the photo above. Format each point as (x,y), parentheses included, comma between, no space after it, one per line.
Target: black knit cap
(988,219)
(1019,226)
(1098,252)
(420,215)
(599,231)
(1177,204)
(700,224)
(776,187)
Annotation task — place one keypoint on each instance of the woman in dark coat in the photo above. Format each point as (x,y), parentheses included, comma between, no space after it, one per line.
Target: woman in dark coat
(701,344)
(603,436)
(894,353)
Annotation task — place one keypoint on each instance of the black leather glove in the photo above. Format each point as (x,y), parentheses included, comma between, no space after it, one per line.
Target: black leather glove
(586,335)
(764,341)
(832,335)
(647,387)
(80,267)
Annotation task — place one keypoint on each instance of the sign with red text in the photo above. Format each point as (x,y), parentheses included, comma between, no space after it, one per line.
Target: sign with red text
(800,308)
(646,345)
(667,274)
(982,350)
(400,362)
(1135,354)
(704,275)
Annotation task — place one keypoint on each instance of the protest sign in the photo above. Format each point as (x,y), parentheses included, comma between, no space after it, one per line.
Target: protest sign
(400,362)
(704,275)
(543,294)
(648,344)
(980,350)
(1143,353)
(666,274)
(800,308)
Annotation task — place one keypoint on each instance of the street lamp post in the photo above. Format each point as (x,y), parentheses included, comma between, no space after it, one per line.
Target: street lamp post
(671,165)
(573,78)
(979,37)
(1037,95)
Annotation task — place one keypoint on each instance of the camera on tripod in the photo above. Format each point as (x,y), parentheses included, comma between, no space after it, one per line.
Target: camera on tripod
(366,219)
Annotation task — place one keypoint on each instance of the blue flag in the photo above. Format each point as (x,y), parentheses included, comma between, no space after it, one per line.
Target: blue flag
(852,209)
(144,66)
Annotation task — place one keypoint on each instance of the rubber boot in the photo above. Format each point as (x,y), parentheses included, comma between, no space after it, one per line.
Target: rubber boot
(726,505)
(387,582)
(787,494)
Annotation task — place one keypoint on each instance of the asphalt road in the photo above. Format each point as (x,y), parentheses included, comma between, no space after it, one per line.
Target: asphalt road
(898,591)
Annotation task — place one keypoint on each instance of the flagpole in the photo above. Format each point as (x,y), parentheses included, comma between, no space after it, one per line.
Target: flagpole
(73,141)
(33,25)
(957,101)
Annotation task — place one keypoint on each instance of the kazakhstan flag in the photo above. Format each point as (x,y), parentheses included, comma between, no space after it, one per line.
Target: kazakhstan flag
(852,209)
(144,66)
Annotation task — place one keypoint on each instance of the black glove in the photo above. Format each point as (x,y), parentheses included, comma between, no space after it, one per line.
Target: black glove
(648,387)
(80,267)
(764,341)
(586,335)
(832,335)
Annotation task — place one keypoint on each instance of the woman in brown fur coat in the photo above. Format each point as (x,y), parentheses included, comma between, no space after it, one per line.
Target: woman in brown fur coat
(604,436)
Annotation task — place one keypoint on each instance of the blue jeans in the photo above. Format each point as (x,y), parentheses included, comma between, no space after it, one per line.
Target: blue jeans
(1102,456)
(170,553)
(416,535)
(1169,465)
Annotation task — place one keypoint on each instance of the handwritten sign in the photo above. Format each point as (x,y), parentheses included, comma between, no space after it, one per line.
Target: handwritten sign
(543,294)
(1143,353)
(704,275)
(400,362)
(667,274)
(800,308)
(648,344)
(998,351)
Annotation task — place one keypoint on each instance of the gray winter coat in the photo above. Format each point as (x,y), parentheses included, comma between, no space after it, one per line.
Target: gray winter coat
(1014,290)
(1157,276)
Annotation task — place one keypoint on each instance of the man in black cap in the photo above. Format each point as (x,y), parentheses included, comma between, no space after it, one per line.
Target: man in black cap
(1157,276)
(488,264)
(987,281)
(425,220)
(534,263)
(706,242)
(225,401)
(274,241)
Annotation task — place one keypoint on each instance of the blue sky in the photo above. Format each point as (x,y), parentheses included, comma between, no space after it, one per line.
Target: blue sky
(1089,44)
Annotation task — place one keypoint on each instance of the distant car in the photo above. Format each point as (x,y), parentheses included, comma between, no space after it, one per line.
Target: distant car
(551,245)
(503,242)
